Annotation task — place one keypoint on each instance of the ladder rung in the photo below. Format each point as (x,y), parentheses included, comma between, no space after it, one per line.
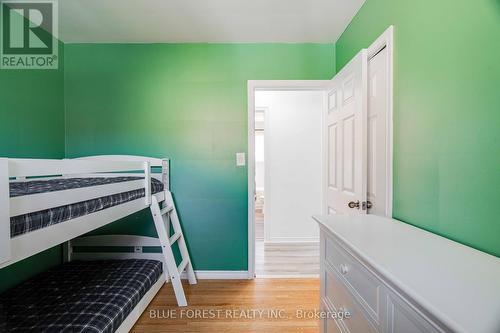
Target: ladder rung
(183,265)
(175,237)
(166,210)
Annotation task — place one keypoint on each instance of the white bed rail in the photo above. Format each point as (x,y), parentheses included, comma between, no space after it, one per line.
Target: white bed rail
(162,163)
(21,168)
(154,162)
(136,246)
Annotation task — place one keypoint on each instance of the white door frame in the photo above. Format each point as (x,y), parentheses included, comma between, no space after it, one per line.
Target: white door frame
(387,40)
(252,87)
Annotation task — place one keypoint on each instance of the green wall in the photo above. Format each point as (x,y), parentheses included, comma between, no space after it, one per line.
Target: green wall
(187,102)
(446,112)
(31,126)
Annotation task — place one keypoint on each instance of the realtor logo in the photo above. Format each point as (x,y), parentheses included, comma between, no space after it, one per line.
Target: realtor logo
(29,32)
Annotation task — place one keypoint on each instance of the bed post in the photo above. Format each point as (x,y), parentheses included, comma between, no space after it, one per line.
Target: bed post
(67,251)
(4,211)
(165,173)
(147,180)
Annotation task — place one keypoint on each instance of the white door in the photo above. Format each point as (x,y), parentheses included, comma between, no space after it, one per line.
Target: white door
(346,139)
(377,134)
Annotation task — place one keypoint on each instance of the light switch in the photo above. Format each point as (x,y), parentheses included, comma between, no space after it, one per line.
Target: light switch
(240,159)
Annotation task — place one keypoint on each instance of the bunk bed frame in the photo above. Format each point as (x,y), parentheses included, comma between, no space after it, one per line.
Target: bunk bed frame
(25,245)
(28,244)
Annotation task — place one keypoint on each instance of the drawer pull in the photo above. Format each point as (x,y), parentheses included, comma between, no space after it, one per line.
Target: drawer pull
(344,269)
(344,310)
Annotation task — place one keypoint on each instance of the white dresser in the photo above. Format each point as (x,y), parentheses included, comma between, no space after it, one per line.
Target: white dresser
(393,277)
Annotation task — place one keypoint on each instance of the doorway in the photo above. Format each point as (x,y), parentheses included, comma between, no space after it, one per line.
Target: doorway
(287,176)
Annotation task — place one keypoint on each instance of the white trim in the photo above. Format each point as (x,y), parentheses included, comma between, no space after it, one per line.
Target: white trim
(292,240)
(387,40)
(265,111)
(286,85)
(218,275)
(289,276)
(252,86)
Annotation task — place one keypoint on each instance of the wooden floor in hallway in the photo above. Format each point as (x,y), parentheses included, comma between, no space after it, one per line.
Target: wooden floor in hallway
(287,259)
(240,306)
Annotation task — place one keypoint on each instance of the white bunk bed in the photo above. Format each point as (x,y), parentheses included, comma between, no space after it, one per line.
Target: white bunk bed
(116,175)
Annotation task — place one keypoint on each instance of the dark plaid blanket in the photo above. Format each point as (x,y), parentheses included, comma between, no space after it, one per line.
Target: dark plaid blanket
(28,222)
(79,296)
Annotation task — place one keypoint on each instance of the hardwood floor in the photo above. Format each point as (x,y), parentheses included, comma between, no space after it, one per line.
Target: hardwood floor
(240,306)
(259,230)
(282,260)
(286,260)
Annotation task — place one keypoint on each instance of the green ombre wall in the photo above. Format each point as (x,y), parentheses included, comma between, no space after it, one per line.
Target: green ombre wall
(187,102)
(446,112)
(31,126)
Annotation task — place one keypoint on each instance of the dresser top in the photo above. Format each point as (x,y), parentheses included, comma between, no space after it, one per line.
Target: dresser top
(457,284)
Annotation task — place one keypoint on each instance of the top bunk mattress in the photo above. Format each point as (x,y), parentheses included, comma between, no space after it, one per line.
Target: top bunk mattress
(22,224)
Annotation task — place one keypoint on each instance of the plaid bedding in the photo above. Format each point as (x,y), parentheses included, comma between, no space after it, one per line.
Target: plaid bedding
(78,296)
(29,222)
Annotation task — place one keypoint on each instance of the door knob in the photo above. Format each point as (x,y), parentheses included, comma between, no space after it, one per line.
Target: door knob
(353,204)
(344,269)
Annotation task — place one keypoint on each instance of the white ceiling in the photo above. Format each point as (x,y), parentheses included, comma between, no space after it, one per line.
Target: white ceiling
(231,21)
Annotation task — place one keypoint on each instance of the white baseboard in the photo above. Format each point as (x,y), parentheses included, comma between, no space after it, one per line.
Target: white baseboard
(288,276)
(298,241)
(219,275)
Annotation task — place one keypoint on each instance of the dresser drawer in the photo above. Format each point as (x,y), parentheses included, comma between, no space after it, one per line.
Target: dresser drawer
(338,297)
(401,317)
(329,325)
(365,286)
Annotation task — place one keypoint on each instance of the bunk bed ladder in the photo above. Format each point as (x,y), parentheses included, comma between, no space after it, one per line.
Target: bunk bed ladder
(162,217)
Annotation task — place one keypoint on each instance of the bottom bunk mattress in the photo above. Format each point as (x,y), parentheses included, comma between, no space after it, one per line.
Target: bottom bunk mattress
(80,296)
(37,220)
